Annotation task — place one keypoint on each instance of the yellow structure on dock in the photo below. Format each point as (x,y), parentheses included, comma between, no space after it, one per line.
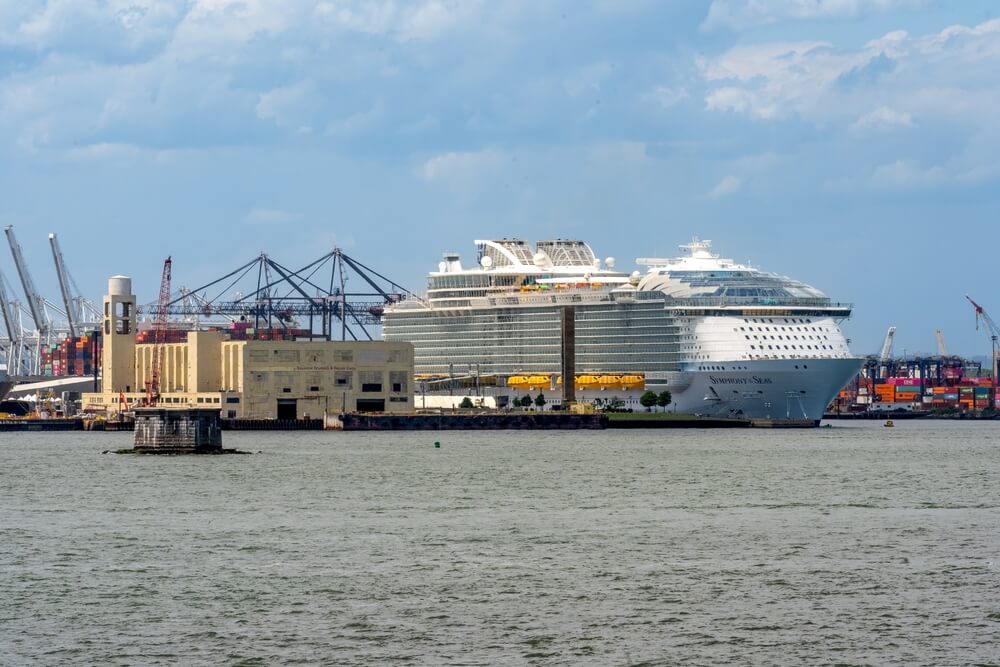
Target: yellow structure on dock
(248,379)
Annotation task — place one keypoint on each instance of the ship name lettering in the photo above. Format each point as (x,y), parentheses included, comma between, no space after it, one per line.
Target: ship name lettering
(754,379)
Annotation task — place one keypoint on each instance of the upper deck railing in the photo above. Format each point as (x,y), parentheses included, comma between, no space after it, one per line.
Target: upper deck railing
(582,295)
(742,301)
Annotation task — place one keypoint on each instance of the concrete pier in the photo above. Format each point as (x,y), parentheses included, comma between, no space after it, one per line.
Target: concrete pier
(178,431)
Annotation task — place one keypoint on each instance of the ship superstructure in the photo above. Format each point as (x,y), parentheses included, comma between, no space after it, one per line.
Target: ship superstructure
(725,338)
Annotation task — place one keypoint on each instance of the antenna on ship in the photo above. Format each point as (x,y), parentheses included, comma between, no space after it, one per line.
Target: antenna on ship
(697,247)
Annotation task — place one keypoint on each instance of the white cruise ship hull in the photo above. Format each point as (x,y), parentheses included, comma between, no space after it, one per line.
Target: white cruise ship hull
(792,389)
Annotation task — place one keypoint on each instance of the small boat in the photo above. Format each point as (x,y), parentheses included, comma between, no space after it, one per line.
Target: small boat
(888,423)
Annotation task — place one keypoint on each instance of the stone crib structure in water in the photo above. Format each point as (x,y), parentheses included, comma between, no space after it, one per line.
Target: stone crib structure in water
(178,431)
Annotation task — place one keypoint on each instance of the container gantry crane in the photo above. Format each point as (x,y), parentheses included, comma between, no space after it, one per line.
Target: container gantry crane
(13,331)
(81,313)
(36,303)
(63,277)
(280,295)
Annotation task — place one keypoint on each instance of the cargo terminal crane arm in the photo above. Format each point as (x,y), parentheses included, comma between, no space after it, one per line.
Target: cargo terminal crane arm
(886,351)
(942,350)
(8,317)
(63,276)
(13,331)
(36,304)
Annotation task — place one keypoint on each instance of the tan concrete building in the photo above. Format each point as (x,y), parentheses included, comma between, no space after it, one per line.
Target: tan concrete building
(249,379)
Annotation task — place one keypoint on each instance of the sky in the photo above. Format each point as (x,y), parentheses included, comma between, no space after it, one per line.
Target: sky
(851,144)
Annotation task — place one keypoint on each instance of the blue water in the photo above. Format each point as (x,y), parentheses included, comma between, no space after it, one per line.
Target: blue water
(849,545)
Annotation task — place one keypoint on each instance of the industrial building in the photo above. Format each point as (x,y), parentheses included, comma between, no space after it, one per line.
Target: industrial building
(247,379)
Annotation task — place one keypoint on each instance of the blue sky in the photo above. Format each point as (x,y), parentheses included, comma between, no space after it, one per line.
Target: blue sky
(852,144)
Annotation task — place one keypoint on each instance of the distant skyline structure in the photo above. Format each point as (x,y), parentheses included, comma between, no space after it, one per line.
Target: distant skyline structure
(850,144)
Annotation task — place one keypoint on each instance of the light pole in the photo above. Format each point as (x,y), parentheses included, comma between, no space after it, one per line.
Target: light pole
(994,392)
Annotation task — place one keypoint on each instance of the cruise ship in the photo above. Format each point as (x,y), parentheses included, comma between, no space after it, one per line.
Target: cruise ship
(726,339)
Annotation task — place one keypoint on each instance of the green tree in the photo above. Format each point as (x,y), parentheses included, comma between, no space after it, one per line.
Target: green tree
(647,400)
(526,401)
(664,399)
(466,403)
(540,400)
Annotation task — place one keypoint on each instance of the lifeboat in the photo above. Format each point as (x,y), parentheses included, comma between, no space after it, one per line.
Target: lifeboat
(528,381)
(633,382)
(620,382)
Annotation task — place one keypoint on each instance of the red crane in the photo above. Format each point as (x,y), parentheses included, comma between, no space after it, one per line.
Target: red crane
(159,337)
(993,329)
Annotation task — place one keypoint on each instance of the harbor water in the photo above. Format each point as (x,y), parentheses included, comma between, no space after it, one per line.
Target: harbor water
(855,544)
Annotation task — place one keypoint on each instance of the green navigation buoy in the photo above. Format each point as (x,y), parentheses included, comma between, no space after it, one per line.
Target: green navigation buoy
(437,444)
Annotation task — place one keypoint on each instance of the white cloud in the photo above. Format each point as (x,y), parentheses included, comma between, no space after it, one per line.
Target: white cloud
(665,96)
(953,74)
(178,72)
(743,14)
(288,105)
(460,166)
(104,151)
(429,20)
(907,174)
(619,154)
(727,186)
(269,216)
(103,29)
(883,118)
(355,123)
(775,80)
(425,20)
(588,80)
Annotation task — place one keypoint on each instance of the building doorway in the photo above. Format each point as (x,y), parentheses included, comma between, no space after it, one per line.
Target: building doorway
(288,408)
(371,405)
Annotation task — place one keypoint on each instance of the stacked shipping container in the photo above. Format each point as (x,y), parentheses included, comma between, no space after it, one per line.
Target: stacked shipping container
(970,394)
(73,356)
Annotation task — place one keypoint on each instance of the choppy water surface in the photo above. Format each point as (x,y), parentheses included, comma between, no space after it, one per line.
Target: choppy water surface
(849,545)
